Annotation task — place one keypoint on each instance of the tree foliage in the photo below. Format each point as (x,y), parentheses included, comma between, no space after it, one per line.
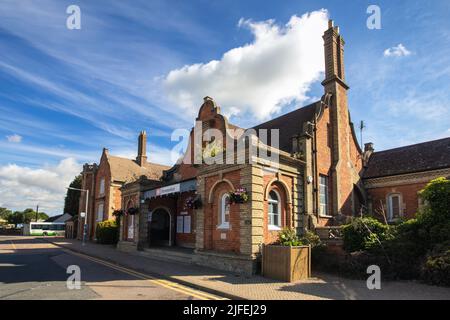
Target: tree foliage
(5,213)
(26,216)
(72,200)
(414,249)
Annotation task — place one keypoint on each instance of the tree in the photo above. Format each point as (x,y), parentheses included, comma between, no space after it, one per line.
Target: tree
(30,215)
(72,200)
(16,218)
(4,213)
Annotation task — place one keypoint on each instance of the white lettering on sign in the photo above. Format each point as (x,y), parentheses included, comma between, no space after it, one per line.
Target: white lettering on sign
(169,189)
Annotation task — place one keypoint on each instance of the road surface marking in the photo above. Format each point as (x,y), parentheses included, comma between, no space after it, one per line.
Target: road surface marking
(164,283)
(13,245)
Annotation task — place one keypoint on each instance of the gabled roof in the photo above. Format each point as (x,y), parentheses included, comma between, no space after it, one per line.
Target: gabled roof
(431,155)
(290,124)
(59,218)
(52,219)
(126,170)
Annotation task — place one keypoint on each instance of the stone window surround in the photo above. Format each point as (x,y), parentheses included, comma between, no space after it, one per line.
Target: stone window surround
(101,191)
(326,215)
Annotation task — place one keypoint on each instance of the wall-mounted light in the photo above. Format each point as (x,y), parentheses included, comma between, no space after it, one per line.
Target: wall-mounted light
(309,179)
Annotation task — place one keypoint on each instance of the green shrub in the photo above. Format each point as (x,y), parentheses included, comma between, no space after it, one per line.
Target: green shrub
(312,239)
(413,249)
(288,237)
(436,195)
(436,269)
(357,236)
(107,232)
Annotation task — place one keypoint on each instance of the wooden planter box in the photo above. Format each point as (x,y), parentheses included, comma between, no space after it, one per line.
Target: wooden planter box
(286,263)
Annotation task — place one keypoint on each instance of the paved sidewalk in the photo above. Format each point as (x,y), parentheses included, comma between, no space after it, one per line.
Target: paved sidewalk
(321,286)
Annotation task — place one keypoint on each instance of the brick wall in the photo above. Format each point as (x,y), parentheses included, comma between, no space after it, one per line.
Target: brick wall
(186,239)
(271,236)
(103,172)
(221,239)
(409,193)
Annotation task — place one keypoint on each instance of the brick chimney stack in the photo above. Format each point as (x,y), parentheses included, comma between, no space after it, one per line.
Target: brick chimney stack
(141,158)
(334,55)
(335,87)
(368,150)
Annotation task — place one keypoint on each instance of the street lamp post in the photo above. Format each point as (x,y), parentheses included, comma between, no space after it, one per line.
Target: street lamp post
(85,212)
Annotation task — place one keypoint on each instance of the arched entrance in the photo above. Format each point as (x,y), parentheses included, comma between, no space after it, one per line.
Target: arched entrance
(160,228)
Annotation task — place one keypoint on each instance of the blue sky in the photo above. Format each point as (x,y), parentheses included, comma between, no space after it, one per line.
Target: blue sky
(66,94)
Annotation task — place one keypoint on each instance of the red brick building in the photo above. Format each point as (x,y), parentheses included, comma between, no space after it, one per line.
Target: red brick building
(316,177)
(104,182)
(314,181)
(394,177)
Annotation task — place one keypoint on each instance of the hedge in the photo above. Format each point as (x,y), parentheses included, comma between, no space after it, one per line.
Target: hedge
(107,232)
(414,249)
(364,234)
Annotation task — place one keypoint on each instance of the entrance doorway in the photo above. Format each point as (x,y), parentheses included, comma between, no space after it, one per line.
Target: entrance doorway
(160,228)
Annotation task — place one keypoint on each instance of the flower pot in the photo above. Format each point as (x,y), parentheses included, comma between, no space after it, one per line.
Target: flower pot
(286,263)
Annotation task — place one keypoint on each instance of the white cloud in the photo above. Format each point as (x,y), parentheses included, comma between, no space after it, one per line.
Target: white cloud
(24,187)
(276,68)
(15,138)
(398,51)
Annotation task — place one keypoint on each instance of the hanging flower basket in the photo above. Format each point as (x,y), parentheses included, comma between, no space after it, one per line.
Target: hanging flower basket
(193,203)
(132,211)
(240,195)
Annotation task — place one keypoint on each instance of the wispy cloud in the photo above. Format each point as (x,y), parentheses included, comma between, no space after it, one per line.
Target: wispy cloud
(49,151)
(15,138)
(397,51)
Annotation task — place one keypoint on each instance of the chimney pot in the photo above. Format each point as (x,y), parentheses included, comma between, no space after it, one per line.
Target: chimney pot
(330,24)
(368,146)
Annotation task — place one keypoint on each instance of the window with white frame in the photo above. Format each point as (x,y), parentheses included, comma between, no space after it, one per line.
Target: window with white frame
(100,212)
(323,195)
(224,212)
(394,206)
(274,210)
(102,186)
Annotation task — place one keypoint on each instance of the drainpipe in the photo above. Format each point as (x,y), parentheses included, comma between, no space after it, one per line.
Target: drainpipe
(315,170)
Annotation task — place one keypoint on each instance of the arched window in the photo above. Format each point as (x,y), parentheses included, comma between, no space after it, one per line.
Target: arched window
(394,206)
(224,212)
(274,210)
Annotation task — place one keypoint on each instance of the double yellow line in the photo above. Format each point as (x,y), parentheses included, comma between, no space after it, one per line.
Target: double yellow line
(13,245)
(164,283)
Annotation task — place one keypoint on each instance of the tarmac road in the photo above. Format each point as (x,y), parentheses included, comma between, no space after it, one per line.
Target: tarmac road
(31,268)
